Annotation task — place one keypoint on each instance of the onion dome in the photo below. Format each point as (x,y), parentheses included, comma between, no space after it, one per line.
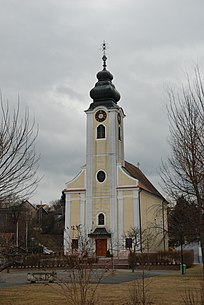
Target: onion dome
(104,92)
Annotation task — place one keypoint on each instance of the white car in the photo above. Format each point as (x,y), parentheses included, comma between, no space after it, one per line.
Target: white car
(47,251)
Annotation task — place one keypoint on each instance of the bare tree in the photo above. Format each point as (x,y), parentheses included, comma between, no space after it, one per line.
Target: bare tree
(138,242)
(139,292)
(18,158)
(80,285)
(183,173)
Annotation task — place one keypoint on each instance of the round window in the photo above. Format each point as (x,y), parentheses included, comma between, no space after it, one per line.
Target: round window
(101,176)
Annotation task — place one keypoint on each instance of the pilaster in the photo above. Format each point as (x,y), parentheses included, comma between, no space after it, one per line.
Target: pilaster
(89,169)
(67,230)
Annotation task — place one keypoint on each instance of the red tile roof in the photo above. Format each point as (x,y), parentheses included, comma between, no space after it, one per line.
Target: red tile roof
(144,183)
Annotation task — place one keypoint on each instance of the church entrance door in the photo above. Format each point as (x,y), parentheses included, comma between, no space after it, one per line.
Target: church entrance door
(101,247)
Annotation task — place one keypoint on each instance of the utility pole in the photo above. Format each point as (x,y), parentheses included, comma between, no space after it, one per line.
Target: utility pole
(17,234)
(26,237)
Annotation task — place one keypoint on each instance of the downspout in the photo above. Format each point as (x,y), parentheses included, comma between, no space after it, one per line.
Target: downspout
(140,222)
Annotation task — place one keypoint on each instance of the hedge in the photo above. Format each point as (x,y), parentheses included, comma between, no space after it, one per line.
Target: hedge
(161,258)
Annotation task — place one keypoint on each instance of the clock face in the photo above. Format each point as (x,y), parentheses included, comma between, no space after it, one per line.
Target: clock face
(100,115)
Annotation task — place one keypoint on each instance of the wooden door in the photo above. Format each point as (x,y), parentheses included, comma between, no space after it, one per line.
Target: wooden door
(101,247)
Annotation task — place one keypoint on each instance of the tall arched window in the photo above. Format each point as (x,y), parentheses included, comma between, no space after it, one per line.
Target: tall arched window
(119,134)
(101,132)
(101,219)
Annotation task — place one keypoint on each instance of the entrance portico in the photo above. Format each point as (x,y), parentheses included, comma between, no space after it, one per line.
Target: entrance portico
(101,237)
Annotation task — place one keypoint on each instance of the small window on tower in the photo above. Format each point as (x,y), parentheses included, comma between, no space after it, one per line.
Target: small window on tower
(101,132)
(119,134)
(101,219)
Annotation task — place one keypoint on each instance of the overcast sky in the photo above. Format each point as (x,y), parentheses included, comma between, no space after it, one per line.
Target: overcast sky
(50,54)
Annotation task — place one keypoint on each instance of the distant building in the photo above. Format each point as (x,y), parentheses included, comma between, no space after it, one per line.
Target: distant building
(196,247)
(110,196)
(14,223)
(42,215)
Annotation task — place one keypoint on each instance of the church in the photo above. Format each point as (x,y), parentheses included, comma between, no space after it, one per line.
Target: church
(111,206)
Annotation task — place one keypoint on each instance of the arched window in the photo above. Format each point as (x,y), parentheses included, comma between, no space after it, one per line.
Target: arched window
(101,219)
(101,132)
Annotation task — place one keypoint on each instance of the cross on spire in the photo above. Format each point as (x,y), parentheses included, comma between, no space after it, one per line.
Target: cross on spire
(104,58)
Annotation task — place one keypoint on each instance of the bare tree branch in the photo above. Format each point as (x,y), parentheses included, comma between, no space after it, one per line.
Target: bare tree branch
(18,158)
(183,173)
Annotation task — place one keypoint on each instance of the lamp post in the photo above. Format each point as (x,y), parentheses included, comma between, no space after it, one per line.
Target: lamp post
(32,243)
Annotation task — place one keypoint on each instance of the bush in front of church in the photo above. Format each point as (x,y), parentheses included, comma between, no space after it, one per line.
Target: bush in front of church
(167,258)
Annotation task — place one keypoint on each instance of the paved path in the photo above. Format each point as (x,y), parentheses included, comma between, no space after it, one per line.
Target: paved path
(19,277)
(13,278)
(120,276)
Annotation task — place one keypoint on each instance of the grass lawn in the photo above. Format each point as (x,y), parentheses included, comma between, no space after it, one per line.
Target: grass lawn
(166,289)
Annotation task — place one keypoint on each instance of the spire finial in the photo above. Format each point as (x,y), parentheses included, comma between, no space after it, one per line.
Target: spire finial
(104,58)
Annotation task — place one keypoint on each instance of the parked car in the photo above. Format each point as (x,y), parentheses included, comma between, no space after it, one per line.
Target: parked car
(47,251)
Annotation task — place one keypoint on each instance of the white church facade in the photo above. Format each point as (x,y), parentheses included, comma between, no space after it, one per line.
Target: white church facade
(110,197)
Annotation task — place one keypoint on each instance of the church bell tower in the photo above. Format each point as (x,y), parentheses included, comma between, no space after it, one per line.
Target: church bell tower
(109,196)
(104,153)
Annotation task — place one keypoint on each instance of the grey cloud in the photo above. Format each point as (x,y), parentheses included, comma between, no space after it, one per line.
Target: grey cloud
(70,92)
(50,54)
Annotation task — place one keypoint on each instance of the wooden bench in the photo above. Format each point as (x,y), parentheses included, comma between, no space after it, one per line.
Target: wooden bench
(34,277)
